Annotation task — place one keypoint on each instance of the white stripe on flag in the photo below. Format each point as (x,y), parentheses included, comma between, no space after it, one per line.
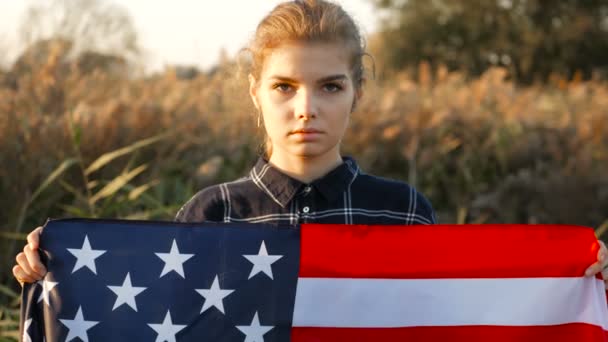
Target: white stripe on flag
(348,302)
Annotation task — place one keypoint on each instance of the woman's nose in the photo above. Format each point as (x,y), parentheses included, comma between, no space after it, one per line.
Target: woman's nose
(305,107)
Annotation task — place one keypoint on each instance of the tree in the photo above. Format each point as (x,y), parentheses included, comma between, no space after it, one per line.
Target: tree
(532,38)
(91,25)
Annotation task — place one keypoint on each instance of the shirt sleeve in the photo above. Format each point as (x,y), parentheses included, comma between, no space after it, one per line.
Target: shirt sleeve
(422,209)
(206,205)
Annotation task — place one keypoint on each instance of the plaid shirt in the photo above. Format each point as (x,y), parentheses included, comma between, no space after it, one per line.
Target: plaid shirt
(345,195)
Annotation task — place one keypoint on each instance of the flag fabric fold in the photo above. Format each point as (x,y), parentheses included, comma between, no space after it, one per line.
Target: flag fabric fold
(118,280)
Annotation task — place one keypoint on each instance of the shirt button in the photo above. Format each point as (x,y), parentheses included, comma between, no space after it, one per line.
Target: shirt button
(306,210)
(307,189)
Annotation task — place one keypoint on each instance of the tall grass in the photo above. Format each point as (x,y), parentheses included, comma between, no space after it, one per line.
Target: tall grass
(94,142)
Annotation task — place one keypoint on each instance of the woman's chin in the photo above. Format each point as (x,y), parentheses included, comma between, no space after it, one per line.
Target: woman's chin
(310,151)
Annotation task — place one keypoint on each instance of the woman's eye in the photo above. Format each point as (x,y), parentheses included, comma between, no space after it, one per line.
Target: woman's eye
(332,87)
(282,87)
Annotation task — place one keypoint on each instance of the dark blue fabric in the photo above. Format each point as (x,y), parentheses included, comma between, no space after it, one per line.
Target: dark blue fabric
(131,247)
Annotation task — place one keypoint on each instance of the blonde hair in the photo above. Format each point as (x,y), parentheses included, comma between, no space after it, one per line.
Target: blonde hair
(307,21)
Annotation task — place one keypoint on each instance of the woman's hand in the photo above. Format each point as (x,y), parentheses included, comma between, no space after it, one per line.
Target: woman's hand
(29,268)
(601,265)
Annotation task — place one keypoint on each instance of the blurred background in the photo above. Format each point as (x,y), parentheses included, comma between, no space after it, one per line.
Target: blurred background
(496,110)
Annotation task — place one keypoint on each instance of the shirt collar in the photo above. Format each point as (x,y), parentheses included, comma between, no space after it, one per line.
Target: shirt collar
(282,188)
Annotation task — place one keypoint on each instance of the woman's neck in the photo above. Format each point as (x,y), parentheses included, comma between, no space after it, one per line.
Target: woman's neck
(305,169)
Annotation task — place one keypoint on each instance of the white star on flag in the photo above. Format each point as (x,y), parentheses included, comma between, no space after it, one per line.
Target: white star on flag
(262,262)
(85,256)
(167,330)
(214,296)
(126,293)
(47,286)
(26,325)
(78,326)
(254,332)
(174,260)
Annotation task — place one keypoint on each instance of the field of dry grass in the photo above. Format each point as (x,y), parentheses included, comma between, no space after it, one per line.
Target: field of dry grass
(483,149)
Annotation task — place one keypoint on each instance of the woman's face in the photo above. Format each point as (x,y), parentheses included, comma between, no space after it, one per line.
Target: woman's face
(306,95)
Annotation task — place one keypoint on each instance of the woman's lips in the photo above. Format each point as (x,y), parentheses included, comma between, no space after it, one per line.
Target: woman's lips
(305,131)
(306,134)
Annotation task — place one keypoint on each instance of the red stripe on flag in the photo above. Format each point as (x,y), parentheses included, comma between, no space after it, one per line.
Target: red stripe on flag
(574,332)
(446,251)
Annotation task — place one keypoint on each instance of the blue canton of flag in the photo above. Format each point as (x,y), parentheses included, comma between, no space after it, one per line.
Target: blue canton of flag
(113,280)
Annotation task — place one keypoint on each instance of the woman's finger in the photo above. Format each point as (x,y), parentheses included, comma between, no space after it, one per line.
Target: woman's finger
(602,260)
(33,238)
(602,254)
(605,273)
(593,269)
(33,259)
(25,267)
(21,276)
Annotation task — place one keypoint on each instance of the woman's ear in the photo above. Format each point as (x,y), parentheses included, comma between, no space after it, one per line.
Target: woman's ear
(253,87)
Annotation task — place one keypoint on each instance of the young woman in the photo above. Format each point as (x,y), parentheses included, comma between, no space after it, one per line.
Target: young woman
(305,79)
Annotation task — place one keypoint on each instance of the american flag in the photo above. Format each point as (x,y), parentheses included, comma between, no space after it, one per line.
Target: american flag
(115,280)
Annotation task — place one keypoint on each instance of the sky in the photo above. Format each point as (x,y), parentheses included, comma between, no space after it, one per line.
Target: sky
(184,32)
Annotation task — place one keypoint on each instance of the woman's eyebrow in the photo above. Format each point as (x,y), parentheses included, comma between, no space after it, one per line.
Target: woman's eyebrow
(283,79)
(337,77)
